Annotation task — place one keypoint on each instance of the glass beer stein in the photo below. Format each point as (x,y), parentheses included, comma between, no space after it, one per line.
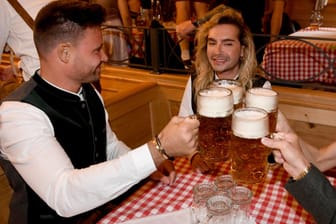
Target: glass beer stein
(266,99)
(214,111)
(219,210)
(236,88)
(248,155)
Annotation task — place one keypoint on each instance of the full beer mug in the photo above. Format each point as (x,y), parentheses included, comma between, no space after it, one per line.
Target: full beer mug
(214,111)
(266,99)
(236,88)
(248,155)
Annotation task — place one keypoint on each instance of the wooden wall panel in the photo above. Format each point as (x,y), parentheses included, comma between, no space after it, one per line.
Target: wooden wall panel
(300,10)
(312,113)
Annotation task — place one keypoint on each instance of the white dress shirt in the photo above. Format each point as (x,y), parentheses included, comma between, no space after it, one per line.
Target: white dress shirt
(18,35)
(27,140)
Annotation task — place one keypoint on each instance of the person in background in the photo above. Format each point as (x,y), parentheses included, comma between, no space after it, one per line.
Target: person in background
(224,50)
(184,11)
(276,21)
(19,36)
(117,33)
(307,184)
(276,10)
(129,12)
(57,148)
(253,14)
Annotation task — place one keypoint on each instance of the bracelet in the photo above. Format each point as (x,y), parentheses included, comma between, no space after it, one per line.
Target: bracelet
(303,173)
(158,146)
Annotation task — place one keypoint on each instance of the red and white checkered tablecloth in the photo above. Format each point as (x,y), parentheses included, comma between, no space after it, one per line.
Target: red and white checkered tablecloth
(308,60)
(270,204)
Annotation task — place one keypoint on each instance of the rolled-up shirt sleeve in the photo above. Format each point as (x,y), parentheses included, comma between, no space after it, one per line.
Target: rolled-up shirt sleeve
(28,141)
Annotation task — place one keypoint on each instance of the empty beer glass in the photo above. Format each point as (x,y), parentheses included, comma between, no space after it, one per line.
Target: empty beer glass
(236,88)
(201,193)
(248,154)
(219,210)
(241,199)
(214,109)
(266,99)
(224,183)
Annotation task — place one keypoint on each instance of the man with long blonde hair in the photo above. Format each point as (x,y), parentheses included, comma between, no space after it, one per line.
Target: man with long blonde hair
(224,50)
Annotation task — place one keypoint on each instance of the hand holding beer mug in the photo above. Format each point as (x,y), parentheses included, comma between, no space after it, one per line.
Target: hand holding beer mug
(236,88)
(248,155)
(266,99)
(214,108)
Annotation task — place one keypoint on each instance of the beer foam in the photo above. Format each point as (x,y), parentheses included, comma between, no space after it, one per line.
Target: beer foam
(234,86)
(215,102)
(237,92)
(250,123)
(263,98)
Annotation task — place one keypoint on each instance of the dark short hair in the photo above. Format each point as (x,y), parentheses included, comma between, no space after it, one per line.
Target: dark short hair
(64,21)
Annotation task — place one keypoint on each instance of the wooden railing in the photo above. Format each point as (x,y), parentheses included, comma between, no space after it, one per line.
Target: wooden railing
(140,103)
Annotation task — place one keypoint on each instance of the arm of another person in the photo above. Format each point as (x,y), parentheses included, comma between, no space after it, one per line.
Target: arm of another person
(323,159)
(124,13)
(185,28)
(308,185)
(67,190)
(276,19)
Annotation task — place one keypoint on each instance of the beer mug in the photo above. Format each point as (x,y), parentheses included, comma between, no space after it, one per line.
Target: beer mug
(201,193)
(266,99)
(219,210)
(236,88)
(214,111)
(248,155)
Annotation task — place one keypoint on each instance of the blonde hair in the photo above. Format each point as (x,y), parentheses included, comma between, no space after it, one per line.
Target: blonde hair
(248,64)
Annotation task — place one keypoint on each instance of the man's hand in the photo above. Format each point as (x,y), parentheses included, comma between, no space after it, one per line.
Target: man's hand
(165,173)
(180,136)
(287,151)
(184,29)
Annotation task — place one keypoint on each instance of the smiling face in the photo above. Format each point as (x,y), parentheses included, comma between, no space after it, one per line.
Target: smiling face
(88,56)
(224,50)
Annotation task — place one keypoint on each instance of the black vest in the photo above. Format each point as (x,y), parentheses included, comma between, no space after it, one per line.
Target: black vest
(80,128)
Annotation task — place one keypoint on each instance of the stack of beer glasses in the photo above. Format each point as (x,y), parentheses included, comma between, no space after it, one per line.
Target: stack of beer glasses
(248,155)
(201,193)
(219,210)
(214,107)
(236,88)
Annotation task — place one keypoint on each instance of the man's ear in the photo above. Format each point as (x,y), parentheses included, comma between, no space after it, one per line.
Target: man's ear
(64,52)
